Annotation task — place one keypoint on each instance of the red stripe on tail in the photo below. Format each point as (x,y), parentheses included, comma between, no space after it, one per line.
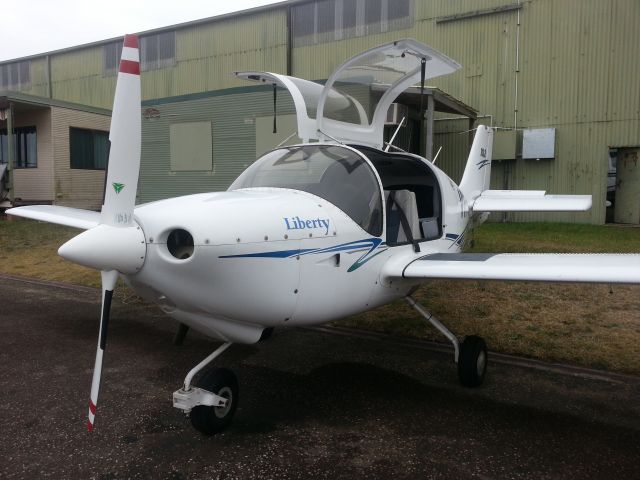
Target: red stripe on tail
(131,41)
(92,407)
(90,426)
(127,66)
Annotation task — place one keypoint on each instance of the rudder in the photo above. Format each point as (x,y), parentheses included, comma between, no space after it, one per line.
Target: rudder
(477,173)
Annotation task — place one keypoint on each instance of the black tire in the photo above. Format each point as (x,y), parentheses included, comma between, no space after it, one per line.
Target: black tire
(210,420)
(472,362)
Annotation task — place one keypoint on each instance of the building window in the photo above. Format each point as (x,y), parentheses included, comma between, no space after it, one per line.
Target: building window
(329,20)
(158,51)
(25,144)
(89,149)
(15,76)
(111,54)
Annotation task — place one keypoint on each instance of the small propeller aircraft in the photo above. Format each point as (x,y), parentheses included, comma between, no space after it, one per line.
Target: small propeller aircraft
(309,233)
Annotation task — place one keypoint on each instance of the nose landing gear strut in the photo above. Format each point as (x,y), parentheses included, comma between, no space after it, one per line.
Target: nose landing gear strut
(211,405)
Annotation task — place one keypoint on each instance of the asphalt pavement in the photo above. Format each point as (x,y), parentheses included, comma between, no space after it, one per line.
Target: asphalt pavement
(314,403)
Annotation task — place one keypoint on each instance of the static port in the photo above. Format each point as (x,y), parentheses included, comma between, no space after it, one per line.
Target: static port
(180,244)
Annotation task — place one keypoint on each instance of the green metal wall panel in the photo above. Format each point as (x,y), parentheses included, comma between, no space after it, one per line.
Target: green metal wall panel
(206,55)
(39,81)
(232,118)
(76,76)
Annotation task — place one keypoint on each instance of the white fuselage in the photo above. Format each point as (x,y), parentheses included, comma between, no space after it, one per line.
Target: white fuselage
(290,255)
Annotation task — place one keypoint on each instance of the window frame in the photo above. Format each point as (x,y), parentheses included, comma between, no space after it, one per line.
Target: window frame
(109,56)
(93,132)
(159,61)
(19,162)
(308,14)
(15,75)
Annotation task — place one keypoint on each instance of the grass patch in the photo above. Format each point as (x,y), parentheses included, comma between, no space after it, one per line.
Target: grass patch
(29,248)
(580,324)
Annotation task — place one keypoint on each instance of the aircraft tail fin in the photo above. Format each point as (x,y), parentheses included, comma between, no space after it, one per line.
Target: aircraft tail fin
(477,173)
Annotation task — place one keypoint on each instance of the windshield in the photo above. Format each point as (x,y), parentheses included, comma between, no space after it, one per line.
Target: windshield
(334,173)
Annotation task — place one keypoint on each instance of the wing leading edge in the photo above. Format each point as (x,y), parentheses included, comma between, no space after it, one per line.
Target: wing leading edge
(70,217)
(542,267)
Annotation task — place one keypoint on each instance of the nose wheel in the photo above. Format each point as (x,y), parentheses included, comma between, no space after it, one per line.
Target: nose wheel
(212,404)
(213,419)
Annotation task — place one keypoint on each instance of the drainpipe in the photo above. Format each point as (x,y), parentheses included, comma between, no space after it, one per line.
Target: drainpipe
(10,153)
(49,87)
(515,99)
(289,40)
(506,172)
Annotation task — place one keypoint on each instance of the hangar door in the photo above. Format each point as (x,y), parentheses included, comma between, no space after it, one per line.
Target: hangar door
(627,206)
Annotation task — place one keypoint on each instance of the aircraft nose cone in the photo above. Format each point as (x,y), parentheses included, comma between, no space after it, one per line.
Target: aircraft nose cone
(107,248)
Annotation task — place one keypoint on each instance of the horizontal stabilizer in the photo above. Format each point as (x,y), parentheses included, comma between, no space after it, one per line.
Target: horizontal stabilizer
(529,201)
(70,217)
(542,267)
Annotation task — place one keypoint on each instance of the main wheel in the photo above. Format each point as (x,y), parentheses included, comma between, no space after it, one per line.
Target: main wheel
(472,361)
(210,420)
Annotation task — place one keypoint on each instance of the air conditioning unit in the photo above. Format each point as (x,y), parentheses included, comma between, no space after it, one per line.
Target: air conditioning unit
(396,113)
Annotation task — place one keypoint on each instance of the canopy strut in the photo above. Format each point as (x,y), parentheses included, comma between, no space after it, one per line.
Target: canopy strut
(275,129)
(423,66)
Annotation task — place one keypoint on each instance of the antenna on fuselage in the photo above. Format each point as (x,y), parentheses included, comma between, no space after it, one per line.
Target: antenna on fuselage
(436,157)
(393,137)
(330,137)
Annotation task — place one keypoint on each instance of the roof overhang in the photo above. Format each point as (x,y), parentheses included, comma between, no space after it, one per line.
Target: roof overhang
(443,102)
(23,101)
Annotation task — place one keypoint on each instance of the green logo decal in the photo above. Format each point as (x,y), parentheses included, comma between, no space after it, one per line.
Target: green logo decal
(118,187)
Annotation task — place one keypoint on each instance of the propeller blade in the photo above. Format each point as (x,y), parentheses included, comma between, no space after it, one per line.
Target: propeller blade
(109,279)
(125,136)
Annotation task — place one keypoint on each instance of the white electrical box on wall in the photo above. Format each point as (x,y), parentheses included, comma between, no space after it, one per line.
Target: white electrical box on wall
(539,143)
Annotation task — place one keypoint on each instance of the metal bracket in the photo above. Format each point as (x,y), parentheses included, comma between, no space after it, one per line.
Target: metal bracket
(187,399)
(436,324)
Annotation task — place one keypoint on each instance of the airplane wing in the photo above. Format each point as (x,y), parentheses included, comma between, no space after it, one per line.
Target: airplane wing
(529,201)
(70,217)
(542,267)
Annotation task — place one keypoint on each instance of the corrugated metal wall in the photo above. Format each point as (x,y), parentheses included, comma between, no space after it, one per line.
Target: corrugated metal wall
(232,116)
(579,61)
(206,55)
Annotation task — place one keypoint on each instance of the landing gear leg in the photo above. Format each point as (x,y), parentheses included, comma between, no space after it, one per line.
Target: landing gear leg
(178,338)
(210,406)
(471,356)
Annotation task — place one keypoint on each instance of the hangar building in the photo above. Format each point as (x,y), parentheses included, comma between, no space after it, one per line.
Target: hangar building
(558,78)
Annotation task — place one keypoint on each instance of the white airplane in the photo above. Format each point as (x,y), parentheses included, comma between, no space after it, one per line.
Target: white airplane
(309,233)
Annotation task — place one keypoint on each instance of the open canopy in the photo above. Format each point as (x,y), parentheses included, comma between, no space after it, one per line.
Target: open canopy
(353,104)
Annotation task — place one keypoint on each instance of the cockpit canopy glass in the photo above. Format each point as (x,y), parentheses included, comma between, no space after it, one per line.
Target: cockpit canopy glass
(337,174)
(366,79)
